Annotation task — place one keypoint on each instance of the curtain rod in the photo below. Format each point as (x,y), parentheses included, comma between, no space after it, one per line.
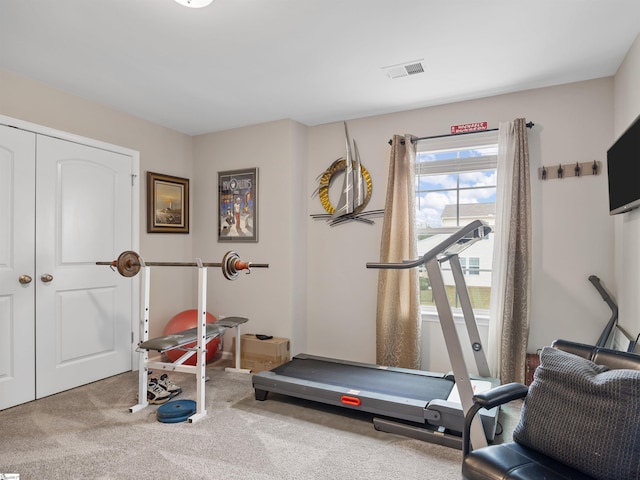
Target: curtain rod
(529,125)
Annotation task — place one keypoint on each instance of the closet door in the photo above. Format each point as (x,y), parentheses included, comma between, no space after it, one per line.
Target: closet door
(17,207)
(83,311)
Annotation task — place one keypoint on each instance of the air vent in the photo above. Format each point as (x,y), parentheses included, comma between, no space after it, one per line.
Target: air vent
(404,69)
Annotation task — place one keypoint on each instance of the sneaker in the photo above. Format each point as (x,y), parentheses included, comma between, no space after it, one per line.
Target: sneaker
(157,395)
(166,383)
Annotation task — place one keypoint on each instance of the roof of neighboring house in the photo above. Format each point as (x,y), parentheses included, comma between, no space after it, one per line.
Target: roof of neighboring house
(473,210)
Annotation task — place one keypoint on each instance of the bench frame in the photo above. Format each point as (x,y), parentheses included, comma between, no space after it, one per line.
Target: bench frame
(199,370)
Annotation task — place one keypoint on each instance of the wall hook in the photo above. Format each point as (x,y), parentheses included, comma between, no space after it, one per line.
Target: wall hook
(579,169)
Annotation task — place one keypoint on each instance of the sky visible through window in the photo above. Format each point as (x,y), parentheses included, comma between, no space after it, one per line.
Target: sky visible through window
(434,191)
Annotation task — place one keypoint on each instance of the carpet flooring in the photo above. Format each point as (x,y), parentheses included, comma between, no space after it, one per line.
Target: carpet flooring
(88,433)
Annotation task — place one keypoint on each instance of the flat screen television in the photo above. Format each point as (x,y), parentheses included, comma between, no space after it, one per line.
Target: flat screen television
(623,168)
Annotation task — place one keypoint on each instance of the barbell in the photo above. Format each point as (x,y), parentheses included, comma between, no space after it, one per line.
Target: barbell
(129,264)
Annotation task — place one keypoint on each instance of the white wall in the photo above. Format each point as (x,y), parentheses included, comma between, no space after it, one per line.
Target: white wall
(270,298)
(341,310)
(627,226)
(317,290)
(161,150)
(572,231)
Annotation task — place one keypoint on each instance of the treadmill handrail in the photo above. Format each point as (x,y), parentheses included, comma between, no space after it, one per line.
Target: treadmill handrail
(462,239)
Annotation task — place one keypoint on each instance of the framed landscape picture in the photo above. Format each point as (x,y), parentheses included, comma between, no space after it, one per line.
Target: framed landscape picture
(167,204)
(238,205)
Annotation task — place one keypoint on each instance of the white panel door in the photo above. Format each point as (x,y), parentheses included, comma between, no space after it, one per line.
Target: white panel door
(17,225)
(83,311)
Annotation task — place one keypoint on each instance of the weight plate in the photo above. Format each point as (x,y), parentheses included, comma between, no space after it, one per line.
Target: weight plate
(229,265)
(184,418)
(176,411)
(128,263)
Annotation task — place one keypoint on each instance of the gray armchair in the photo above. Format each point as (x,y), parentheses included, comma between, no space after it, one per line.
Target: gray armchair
(580,420)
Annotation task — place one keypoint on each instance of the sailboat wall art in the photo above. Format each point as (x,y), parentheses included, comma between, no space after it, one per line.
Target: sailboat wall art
(355,192)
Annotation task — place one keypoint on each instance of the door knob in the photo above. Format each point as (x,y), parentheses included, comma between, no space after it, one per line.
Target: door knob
(24,279)
(46,278)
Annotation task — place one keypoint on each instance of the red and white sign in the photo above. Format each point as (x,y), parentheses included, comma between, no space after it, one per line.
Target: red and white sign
(469,127)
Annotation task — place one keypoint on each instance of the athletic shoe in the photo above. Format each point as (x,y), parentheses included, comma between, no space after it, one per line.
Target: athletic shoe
(166,383)
(157,395)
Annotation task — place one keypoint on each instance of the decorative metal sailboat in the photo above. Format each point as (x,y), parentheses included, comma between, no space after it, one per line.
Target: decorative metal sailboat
(353,195)
(356,188)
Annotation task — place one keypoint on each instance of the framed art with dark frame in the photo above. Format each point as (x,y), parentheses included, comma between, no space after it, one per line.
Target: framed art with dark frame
(238,205)
(167,204)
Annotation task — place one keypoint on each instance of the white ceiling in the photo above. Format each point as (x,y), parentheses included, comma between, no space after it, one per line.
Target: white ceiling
(244,62)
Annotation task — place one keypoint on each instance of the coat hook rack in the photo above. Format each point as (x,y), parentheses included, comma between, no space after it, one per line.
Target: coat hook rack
(568,170)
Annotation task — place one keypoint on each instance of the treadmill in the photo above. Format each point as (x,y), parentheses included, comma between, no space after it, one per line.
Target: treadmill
(420,404)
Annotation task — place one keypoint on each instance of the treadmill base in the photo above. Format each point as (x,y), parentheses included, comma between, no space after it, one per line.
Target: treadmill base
(426,434)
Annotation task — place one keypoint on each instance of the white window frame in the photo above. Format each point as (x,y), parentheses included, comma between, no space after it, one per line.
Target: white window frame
(458,165)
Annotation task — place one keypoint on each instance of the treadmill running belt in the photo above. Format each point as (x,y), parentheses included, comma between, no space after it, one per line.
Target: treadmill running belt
(389,382)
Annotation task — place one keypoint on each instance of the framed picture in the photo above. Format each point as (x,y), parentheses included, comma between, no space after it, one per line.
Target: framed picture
(238,205)
(167,204)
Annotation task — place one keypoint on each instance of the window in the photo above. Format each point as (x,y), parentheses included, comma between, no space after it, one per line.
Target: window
(473,267)
(456,184)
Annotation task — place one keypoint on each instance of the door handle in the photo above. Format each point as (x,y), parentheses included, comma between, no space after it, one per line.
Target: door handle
(46,278)
(24,279)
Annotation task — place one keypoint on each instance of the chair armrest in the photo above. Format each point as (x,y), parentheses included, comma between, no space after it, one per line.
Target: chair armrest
(490,399)
(501,395)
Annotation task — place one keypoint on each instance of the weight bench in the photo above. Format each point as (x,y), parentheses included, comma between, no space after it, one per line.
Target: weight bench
(181,340)
(201,335)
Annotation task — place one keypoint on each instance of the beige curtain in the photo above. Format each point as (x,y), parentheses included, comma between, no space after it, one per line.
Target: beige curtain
(509,328)
(398,312)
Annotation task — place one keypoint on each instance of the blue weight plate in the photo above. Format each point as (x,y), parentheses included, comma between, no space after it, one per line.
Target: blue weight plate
(181,419)
(178,410)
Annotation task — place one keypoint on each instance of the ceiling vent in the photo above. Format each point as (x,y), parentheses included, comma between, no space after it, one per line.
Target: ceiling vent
(404,69)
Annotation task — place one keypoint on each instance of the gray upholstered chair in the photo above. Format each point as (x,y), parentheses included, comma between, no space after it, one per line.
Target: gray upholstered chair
(580,420)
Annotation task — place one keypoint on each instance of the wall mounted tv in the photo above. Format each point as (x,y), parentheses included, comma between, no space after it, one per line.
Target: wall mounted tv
(623,168)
